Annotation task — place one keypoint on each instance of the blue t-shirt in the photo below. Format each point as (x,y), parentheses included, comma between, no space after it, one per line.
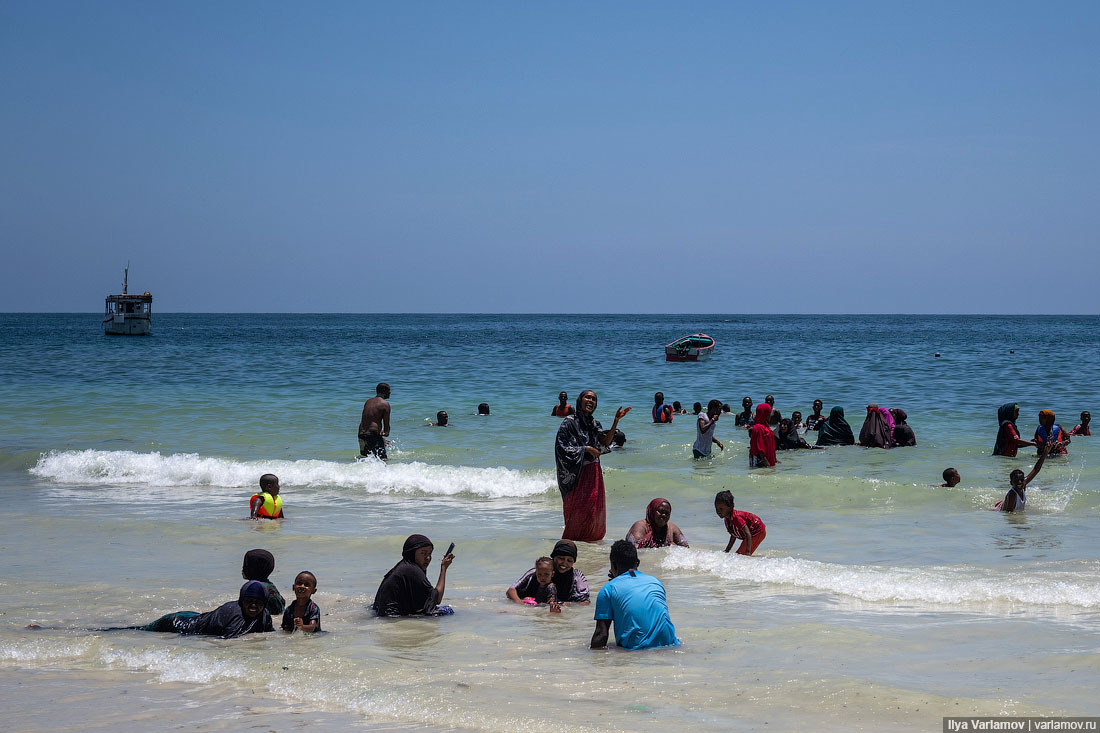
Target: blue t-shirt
(635,603)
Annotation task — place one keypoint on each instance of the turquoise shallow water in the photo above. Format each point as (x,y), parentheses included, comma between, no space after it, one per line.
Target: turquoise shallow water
(126,466)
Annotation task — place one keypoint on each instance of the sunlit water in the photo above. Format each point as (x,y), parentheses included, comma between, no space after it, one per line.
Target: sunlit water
(126,465)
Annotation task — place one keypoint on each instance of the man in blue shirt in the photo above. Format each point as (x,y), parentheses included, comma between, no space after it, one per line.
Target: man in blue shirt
(635,602)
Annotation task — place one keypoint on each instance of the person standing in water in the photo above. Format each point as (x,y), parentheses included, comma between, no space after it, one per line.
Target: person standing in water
(563,408)
(374,426)
(1082,428)
(816,420)
(704,431)
(662,413)
(1016,498)
(267,504)
(744,526)
(577,449)
(1008,435)
(762,439)
(744,418)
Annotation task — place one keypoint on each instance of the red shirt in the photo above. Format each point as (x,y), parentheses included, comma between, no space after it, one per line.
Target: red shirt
(1009,448)
(1078,430)
(742,519)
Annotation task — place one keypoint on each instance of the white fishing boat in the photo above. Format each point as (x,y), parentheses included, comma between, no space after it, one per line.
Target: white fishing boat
(696,347)
(125,314)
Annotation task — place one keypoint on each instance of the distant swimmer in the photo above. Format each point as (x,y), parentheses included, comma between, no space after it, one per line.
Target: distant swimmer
(657,529)
(762,439)
(440,420)
(618,440)
(835,430)
(405,590)
(303,614)
(814,421)
(678,409)
(744,526)
(796,420)
(1008,435)
(951,478)
(1050,432)
(662,413)
(536,586)
(246,615)
(771,401)
(1082,428)
(267,504)
(787,438)
(704,431)
(563,408)
(697,408)
(483,408)
(904,437)
(635,603)
(1016,498)
(744,418)
(374,427)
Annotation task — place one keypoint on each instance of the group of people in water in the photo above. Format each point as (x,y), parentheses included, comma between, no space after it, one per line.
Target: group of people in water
(634,602)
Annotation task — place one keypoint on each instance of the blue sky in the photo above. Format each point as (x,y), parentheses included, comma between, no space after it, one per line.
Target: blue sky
(559,157)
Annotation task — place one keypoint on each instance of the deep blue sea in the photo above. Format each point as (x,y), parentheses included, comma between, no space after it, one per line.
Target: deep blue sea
(877,599)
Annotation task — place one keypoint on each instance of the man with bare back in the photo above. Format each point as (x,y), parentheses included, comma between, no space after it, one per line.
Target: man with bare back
(375,424)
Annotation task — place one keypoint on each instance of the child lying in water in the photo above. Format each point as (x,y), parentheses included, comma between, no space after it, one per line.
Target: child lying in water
(246,615)
(303,614)
(537,586)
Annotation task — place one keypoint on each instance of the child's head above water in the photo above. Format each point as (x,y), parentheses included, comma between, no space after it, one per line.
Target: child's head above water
(305,585)
(544,570)
(1086,417)
(258,565)
(951,477)
(269,482)
(723,504)
(1016,479)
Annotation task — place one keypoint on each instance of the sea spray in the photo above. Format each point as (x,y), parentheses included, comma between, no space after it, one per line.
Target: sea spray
(115,468)
(935,584)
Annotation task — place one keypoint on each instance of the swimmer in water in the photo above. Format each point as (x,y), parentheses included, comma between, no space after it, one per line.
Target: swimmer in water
(563,408)
(246,615)
(1082,428)
(951,478)
(440,420)
(536,586)
(1016,498)
(267,504)
(483,408)
(303,614)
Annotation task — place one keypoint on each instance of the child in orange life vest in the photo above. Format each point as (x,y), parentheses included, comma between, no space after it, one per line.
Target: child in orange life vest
(267,504)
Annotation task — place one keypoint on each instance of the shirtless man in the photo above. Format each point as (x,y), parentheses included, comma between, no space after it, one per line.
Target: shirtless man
(375,424)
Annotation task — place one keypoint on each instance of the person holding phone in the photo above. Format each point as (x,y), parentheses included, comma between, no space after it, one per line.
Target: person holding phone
(406,590)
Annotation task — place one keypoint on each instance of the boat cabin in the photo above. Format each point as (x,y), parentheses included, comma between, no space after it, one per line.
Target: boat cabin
(128,315)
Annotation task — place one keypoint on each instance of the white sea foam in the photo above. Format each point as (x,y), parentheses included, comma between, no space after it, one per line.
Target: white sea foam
(115,468)
(936,584)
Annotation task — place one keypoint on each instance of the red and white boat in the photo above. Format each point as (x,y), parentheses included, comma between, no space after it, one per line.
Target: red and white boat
(696,347)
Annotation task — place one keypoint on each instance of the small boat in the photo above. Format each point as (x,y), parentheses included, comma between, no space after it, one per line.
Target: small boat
(696,347)
(125,314)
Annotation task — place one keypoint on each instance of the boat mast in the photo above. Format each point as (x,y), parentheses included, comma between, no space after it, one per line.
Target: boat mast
(125,276)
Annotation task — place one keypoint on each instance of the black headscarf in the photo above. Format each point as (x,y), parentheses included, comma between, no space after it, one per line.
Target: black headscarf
(563,582)
(576,432)
(875,433)
(405,590)
(1005,415)
(258,564)
(790,440)
(836,430)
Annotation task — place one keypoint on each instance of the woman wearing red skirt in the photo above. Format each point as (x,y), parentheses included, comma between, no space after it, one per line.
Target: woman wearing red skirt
(581,439)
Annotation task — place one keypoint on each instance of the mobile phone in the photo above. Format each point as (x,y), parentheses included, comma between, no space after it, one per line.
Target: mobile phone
(449,550)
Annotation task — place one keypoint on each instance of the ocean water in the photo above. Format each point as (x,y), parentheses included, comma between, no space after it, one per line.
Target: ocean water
(877,599)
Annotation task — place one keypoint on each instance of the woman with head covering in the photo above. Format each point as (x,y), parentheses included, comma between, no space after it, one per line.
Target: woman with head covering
(405,590)
(835,430)
(1008,435)
(246,615)
(580,441)
(904,437)
(787,437)
(571,584)
(761,439)
(1050,431)
(656,530)
(876,432)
